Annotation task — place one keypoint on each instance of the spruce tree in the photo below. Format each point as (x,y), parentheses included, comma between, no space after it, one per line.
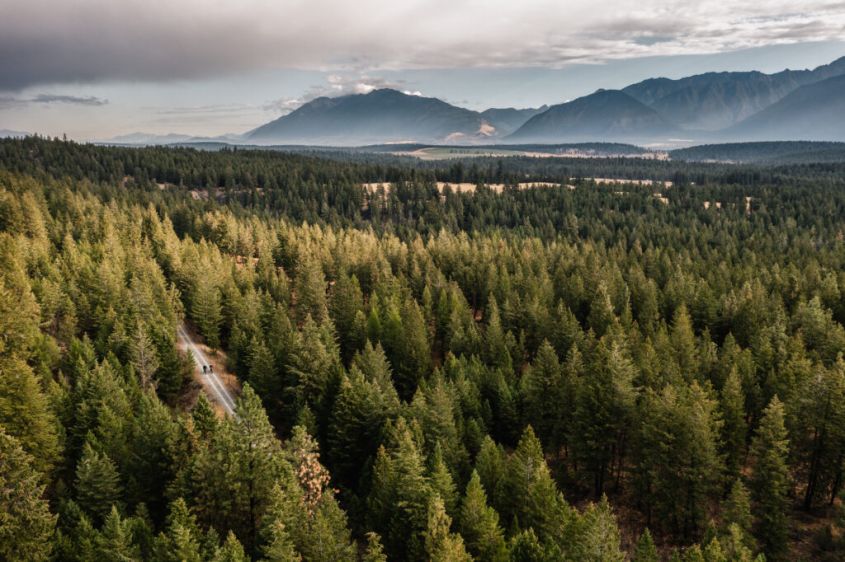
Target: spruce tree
(115,541)
(97,483)
(544,397)
(737,512)
(735,428)
(206,310)
(770,482)
(375,550)
(399,496)
(26,524)
(440,544)
(478,524)
(230,551)
(25,413)
(645,551)
(144,356)
(180,540)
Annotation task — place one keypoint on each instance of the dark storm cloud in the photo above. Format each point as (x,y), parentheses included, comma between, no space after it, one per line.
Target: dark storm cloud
(74,100)
(85,41)
(48,99)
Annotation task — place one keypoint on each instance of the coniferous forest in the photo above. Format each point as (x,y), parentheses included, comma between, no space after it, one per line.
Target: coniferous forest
(587,372)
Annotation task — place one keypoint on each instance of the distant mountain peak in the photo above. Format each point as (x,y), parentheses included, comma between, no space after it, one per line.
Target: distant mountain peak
(604,114)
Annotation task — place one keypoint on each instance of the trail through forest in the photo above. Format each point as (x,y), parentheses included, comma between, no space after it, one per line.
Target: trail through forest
(211,383)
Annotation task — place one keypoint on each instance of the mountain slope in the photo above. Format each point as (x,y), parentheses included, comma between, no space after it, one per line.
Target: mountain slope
(606,115)
(717,100)
(507,120)
(380,116)
(812,112)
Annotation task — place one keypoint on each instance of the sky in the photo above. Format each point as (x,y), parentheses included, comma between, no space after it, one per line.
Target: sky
(94,69)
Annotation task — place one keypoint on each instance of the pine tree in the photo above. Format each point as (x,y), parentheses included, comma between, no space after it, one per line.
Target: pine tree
(206,310)
(525,547)
(359,416)
(97,483)
(819,412)
(544,397)
(678,465)
(310,291)
(713,551)
(25,413)
(203,416)
(495,346)
(770,482)
(231,551)
(374,551)
(602,315)
(280,547)
(599,538)
(530,493)
(262,369)
(115,542)
(645,551)
(235,472)
(683,345)
(26,524)
(479,524)
(737,512)
(399,496)
(442,482)
(604,410)
(345,303)
(491,466)
(144,356)
(735,428)
(440,544)
(180,541)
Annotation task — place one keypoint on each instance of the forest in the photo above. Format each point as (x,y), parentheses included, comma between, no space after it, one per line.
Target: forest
(587,372)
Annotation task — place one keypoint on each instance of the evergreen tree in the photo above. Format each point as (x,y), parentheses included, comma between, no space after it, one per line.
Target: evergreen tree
(26,524)
(678,465)
(442,482)
(144,356)
(97,483)
(310,291)
(115,541)
(235,471)
(544,397)
(206,310)
(604,411)
(280,547)
(180,541)
(25,413)
(770,483)
(599,538)
(231,551)
(645,551)
(479,524)
(531,494)
(737,512)
(440,544)
(735,428)
(374,551)
(399,496)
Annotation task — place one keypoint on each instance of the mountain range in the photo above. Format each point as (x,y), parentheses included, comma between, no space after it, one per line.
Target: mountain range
(711,107)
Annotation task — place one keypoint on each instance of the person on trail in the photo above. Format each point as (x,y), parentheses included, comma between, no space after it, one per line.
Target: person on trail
(203,369)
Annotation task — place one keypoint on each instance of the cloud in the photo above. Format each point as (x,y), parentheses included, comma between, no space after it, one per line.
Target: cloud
(49,99)
(73,100)
(338,85)
(85,41)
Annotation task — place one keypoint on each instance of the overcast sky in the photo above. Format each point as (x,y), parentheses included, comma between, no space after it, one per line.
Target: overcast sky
(97,68)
